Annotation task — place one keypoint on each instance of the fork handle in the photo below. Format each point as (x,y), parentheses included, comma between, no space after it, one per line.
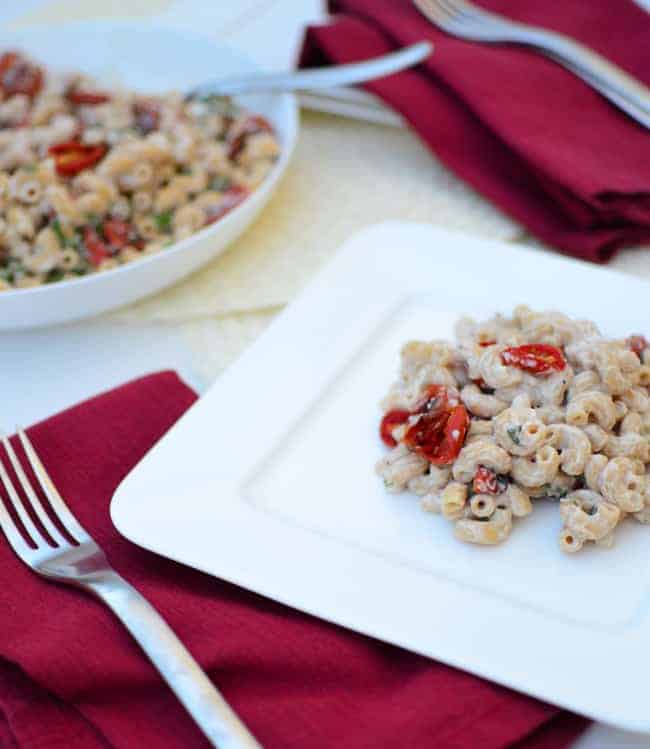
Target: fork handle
(178,668)
(610,80)
(637,110)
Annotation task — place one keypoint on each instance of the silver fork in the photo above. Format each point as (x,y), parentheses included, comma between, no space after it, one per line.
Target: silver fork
(467,21)
(84,565)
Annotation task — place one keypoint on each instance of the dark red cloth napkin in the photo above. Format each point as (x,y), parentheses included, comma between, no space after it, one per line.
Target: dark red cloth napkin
(71,678)
(529,135)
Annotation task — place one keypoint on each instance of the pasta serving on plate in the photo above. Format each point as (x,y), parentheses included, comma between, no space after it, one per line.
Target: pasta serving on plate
(92,178)
(523,408)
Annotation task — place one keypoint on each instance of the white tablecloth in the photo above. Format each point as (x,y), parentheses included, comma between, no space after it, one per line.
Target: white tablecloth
(345,175)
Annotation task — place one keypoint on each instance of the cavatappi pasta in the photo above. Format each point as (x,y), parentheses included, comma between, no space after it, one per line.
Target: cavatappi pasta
(92,178)
(519,409)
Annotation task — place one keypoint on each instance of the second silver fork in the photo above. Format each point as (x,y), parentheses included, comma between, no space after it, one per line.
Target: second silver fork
(467,21)
(82,563)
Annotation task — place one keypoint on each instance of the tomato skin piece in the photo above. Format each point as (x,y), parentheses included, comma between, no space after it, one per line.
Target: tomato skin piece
(483,344)
(231,198)
(454,436)
(73,157)
(256,124)
(389,422)
(434,397)
(439,429)
(425,436)
(7,61)
(638,344)
(119,233)
(535,358)
(19,76)
(439,436)
(97,249)
(486,481)
(87,98)
(251,126)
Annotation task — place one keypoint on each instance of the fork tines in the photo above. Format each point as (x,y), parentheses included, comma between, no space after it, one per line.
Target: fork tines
(35,528)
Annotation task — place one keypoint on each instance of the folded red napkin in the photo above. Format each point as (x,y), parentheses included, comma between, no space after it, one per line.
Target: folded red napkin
(71,678)
(529,135)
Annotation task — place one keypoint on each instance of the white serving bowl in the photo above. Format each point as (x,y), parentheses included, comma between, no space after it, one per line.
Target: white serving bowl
(154,58)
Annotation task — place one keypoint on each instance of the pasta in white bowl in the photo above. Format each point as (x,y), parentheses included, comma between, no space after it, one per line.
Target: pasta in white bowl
(95,175)
(534,406)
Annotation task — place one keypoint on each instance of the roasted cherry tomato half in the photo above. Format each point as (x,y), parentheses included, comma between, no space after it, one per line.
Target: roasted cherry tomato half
(250,126)
(87,98)
(96,248)
(427,433)
(435,398)
(638,344)
(73,157)
(439,434)
(231,198)
(536,358)
(454,436)
(19,76)
(389,422)
(119,233)
(486,481)
(439,431)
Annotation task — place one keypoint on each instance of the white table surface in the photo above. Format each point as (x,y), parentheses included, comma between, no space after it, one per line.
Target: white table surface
(44,371)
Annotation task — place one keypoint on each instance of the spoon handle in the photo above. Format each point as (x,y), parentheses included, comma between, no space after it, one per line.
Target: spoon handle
(317,78)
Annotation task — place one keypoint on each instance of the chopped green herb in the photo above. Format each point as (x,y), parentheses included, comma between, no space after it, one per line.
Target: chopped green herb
(29,167)
(12,271)
(163,221)
(56,274)
(93,219)
(515,434)
(220,183)
(185,170)
(56,228)
(556,492)
(220,105)
(76,242)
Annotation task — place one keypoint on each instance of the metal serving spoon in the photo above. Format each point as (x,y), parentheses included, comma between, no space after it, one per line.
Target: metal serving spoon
(316,78)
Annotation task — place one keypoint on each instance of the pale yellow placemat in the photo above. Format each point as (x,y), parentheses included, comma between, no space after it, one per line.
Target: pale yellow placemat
(216,342)
(344,176)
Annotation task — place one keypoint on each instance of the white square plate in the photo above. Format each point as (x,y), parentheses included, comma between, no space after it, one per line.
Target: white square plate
(268,481)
